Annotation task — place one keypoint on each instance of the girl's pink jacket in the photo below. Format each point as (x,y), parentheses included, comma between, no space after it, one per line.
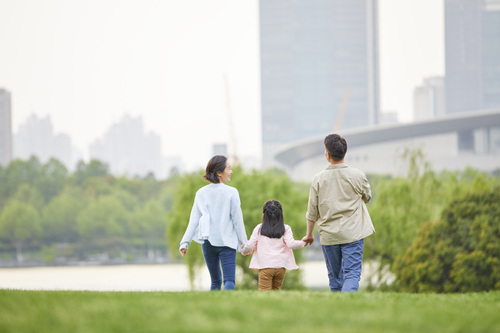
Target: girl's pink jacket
(272,252)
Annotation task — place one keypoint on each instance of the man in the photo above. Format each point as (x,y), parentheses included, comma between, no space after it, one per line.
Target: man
(337,205)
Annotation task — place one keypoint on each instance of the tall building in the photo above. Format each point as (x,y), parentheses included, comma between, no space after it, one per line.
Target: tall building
(319,69)
(129,150)
(5,128)
(429,99)
(36,137)
(472,48)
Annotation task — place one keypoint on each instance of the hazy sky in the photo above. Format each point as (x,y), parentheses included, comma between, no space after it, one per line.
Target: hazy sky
(86,63)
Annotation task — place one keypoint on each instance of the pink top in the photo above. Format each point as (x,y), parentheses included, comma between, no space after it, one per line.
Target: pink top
(272,252)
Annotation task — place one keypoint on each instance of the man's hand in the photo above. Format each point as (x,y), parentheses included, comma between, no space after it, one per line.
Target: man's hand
(308,239)
(183,251)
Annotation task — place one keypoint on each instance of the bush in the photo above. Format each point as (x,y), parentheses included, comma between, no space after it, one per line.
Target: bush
(458,253)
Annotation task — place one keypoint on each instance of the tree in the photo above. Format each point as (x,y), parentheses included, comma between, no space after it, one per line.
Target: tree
(20,172)
(400,206)
(59,219)
(94,169)
(51,179)
(19,224)
(458,253)
(29,194)
(148,225)
(103,223)
(255,188)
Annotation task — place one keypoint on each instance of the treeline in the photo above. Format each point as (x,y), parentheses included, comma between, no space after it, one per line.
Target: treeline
(52,216)
(435,231)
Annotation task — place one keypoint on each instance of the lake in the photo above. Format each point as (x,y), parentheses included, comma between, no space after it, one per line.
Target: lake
(168,277)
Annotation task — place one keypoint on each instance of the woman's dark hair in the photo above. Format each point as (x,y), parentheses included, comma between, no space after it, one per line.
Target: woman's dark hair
(336,146)
(273,225)
(216,164)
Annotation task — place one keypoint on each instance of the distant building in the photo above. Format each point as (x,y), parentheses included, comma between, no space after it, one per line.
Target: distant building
(36,137)
(5,128)
(219,149)
(429,99)
(472,48)
(378,150)
(129,150)
(388,117)
(319,69)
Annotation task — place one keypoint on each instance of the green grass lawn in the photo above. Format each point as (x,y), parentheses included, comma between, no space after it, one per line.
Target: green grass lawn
(246,311)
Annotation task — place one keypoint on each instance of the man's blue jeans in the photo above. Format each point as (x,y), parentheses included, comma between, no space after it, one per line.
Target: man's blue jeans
(217,257)
(343,262)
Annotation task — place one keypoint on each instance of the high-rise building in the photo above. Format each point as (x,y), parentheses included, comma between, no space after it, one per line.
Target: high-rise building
(319,69)
(36,137)
(472,48)
(129,150)
(429,99)
(5,128)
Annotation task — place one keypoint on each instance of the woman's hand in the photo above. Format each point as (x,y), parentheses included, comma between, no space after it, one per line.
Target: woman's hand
(247,253)
(183,251)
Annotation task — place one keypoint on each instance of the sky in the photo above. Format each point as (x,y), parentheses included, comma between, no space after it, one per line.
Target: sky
(189,68)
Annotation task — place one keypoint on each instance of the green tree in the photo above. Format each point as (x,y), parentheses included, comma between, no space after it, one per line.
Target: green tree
(29,194)
(458,253)
(94,169)
(400,206)
(59,219)
(148,225)
(255,188)
(19,225)
(103,223)
(51,179)
(20,172)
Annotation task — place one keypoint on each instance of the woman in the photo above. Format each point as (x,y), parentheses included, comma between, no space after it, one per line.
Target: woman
(216,222)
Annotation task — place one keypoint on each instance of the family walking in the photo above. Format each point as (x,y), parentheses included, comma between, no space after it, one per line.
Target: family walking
(336,205)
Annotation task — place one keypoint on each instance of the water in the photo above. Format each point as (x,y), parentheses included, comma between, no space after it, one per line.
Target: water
(168,277)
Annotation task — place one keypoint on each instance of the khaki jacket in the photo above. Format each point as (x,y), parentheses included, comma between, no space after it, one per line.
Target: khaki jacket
(337,203)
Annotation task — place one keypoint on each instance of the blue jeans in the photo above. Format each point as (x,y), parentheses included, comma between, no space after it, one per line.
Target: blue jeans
(343,262)
(217,257)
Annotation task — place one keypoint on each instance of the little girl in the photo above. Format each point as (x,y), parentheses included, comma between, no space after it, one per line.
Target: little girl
(273,242)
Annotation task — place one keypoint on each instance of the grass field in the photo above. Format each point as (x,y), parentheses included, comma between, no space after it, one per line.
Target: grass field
(246,311)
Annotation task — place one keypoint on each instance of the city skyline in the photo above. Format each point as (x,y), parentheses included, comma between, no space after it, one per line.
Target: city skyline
(125,147)
(167,63)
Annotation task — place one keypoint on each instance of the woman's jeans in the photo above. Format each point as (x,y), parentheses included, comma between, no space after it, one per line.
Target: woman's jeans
(217,257)
(343,262)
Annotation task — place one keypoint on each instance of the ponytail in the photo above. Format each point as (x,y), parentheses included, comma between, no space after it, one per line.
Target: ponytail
(273,225)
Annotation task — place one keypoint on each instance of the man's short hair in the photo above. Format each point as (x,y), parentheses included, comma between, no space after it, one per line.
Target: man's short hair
(336,146)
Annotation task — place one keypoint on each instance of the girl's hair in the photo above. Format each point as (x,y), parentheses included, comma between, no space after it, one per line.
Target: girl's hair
(273,225)
(216,164)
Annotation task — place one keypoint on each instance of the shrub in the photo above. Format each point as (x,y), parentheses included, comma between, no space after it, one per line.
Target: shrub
(458,253)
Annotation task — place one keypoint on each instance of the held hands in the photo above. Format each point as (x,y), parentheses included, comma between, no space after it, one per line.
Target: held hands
(183,251)
(308,239)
